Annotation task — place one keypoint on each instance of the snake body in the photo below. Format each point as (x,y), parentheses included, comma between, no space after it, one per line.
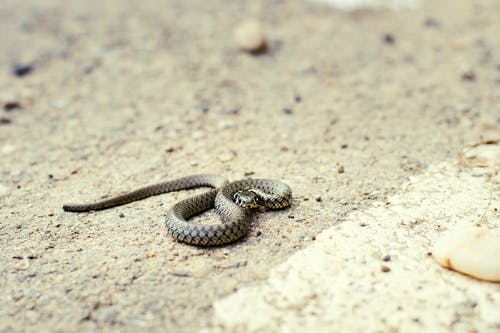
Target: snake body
(236,216)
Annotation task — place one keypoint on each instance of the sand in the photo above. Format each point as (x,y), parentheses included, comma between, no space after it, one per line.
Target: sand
(345,107)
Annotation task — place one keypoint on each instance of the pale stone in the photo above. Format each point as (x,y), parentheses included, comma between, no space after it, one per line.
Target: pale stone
(226,157)
(4,190)
(7,149)
(473,251)
(249,36)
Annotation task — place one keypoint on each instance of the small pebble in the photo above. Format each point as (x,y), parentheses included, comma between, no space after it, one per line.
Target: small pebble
(10,106)
(17,175)
(5,121)
(344,146)
(432,22)
(340,169)
(7,149)
(385,269)
(198,135)
(473,251)
(388,38)
(318,199)
(298,98)
(3,190)
(179,273)
(169,149)
(467,74)
(237,264)
(287,111)
(121,215)
(20,70)
(226,157)
(249,36)
(234,111)
(386,258)
(226,124)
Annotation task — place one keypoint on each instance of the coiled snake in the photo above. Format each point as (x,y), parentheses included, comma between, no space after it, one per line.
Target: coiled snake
(232,201)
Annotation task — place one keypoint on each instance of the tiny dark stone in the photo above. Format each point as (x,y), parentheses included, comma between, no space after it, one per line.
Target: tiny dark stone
(20,70)
(234,111)
(432,22)
(340,169)
(205,109)
(362,224)
(318,199)
(249,173)
(429,253)
(468,75)
(258,233)
(471,304)
(291,216)
(87,317)
(298,98)
(388,38)
(51,176)
(88,69)
(386,258)
(313,237)
(10,106)
(170,149)
(344,146)
(121,215)
(5,121)
(287,111)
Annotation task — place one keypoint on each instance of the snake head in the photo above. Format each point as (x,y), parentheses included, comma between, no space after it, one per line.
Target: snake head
(246,199)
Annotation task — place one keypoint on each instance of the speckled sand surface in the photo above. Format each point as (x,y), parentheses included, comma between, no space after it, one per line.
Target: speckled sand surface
(344,107)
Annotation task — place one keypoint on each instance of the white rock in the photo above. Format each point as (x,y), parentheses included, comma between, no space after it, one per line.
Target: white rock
(225,157)
(473,251)
(4,190)
(249,36)
(7,149)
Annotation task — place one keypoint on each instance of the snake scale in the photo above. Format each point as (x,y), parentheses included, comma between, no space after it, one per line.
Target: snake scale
(233,202)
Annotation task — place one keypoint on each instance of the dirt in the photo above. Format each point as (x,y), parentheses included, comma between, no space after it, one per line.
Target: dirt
(343,106)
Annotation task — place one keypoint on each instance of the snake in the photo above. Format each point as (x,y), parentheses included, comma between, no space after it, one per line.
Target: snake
(233,201)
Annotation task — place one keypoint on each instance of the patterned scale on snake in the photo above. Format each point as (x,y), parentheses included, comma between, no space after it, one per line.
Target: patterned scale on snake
(232,201)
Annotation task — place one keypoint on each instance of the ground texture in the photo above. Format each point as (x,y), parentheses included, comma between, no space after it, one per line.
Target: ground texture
(344,107)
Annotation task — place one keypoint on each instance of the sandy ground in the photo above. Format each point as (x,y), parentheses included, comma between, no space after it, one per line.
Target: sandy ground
(344,107)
